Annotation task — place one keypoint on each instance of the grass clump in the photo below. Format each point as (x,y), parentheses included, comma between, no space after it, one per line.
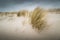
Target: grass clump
(38,18)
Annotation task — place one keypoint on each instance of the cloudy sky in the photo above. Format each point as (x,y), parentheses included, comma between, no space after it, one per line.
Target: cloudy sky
(16,5)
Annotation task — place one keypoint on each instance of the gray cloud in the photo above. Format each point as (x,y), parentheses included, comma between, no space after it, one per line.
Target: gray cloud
(9,5)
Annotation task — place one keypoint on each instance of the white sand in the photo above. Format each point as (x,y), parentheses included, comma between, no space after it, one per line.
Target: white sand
(19,27)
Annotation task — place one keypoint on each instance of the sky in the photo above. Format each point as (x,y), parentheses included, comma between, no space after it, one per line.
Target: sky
(17,5)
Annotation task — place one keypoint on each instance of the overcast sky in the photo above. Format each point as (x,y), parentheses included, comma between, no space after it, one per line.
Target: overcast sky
(16,5)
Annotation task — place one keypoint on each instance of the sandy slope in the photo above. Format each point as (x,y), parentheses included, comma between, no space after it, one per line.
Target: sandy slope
(20,28)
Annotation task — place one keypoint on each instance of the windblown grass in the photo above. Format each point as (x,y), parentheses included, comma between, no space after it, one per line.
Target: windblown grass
(38,19)
(22,13)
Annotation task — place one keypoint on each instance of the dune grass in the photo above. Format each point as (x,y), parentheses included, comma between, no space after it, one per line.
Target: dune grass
(22,13)
(38,18)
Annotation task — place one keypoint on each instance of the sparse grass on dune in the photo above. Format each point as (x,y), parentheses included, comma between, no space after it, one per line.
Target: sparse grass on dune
(38,18)
(22,13)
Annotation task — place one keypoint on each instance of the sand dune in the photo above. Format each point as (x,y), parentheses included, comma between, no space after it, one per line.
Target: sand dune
(14,27)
